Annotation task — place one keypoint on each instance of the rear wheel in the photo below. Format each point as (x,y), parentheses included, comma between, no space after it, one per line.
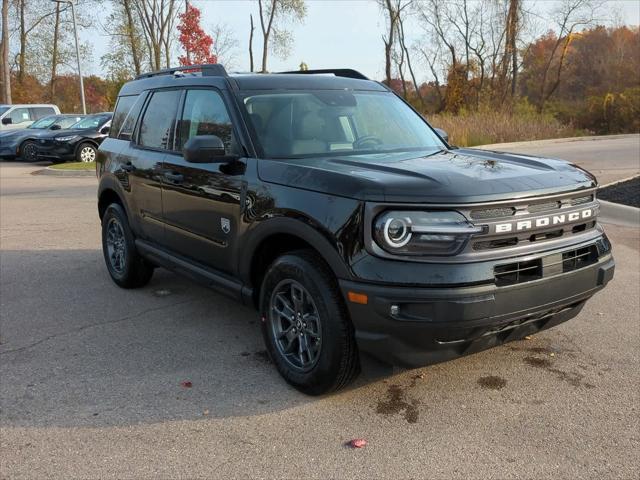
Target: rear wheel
(29,151)
(86,152)
(125,265)
(306,326)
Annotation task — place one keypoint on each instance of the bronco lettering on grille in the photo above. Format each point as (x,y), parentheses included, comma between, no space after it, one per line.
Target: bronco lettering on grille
(540,222)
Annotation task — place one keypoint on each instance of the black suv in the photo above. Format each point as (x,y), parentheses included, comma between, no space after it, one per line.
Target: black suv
(80,142)
(326,201)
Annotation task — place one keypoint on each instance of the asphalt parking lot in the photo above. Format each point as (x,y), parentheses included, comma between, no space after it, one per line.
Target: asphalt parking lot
(90,376)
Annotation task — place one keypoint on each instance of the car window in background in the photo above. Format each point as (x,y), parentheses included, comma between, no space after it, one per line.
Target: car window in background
(3,110)
(66,122)
(40,112)
(156,129)
(45,122)
(91,122)
(20,115)
(205,114)
(121,112)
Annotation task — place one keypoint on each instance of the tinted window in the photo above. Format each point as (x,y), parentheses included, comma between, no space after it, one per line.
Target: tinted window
(156,129)
(122,110)
(44,122)
(205,114)
(126,131)
(19,115)
(40,112)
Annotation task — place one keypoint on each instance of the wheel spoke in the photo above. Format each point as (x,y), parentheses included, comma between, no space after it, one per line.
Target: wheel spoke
(297,295)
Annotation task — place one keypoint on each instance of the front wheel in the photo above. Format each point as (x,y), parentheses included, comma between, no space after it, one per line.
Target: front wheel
(306,326)
(29,152)
(86,153)
(126,267)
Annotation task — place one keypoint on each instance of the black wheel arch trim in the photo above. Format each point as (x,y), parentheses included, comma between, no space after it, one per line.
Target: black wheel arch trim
(112,184)
(297,228)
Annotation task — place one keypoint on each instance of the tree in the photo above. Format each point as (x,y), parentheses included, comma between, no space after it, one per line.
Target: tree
(126,56)
(273,14)
(157,18)
(5,70)
(225,45)
(196,43)
(252,28)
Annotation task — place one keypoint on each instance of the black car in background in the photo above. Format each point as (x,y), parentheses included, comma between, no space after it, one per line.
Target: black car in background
(80,142)
(22,143)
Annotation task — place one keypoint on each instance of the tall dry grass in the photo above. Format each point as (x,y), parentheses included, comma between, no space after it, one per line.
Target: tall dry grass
(484,127)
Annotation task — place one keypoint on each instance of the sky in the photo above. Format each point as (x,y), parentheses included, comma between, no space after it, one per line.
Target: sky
(335,33)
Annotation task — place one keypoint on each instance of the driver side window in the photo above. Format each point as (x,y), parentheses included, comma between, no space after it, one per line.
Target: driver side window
(205,113)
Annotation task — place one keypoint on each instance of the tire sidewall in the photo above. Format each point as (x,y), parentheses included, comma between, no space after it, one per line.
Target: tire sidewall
(115,211)
(331,318)
(35,154)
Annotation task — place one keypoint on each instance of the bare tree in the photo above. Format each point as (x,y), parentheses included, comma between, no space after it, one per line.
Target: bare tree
(157,18)
(54,54)
(5,71)
(251,67)
(225,44)
(569,16)
(273,14)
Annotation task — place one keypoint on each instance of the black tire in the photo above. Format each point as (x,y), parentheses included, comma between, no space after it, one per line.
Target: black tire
(29,151)
(86,152)
(336,361)
(126,267)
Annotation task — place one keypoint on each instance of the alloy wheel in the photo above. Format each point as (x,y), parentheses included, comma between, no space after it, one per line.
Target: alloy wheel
(88,154)
(295,325)
(116,245)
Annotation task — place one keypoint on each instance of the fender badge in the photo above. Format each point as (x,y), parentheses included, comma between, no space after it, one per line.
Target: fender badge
(225,224)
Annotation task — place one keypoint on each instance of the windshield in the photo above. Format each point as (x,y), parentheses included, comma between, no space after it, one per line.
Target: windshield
(45,122)
(336,122)
(91,122)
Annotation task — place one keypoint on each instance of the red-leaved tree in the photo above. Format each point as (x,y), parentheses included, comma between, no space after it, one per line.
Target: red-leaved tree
(195,42)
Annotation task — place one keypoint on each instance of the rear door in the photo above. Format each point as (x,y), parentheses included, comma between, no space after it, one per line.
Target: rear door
(202,202)
(150,138)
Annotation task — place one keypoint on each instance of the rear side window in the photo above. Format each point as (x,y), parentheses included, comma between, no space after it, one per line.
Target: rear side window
(205,113)
(126,131)
(40,112)
(158,123)
(122,110)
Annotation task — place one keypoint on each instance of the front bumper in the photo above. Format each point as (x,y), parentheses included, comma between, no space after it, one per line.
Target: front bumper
(430,325)
(57,151)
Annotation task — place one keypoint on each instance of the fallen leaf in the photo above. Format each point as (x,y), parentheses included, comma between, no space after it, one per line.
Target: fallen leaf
(528,337)
(357,443)
(186,384)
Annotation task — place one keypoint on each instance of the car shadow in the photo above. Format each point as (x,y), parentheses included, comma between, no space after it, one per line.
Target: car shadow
(76,350)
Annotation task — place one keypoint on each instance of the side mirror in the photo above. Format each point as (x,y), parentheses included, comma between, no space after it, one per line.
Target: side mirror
(55,127)
(443,134)
(104,130)
(205,149)
(6,121)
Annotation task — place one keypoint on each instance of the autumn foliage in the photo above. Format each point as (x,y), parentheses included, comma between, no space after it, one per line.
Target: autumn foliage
(195,42)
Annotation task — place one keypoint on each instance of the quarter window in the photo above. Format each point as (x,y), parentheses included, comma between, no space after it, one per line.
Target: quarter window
(122,110)
(40,112)
(156,129)
(205,113)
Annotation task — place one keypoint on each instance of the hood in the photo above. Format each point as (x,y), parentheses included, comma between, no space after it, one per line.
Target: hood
(67,132)
(451,176)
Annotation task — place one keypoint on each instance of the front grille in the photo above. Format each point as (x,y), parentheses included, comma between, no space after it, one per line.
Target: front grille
(581,200)
(543,207)
(546,266)
(492,213)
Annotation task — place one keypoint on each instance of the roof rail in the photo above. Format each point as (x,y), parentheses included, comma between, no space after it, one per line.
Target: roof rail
(208,70)
(338,72)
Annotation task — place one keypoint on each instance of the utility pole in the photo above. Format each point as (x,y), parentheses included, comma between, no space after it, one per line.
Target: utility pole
(75,33)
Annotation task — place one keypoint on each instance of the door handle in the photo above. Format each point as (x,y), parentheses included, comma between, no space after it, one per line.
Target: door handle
(174,177)
(127,167)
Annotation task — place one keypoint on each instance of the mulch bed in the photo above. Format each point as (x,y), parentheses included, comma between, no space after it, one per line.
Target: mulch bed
(627,193)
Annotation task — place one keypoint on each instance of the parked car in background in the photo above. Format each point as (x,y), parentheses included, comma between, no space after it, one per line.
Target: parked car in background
(80,142)
(15,117)
(23,143)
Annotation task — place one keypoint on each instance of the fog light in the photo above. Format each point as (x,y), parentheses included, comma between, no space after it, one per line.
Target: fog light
(395,310)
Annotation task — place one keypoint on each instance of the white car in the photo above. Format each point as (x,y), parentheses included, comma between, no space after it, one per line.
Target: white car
(13,117)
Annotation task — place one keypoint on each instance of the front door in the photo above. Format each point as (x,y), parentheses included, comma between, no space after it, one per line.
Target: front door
(202,202)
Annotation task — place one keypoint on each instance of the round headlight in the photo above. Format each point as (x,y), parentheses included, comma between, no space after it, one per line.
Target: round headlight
(397,231)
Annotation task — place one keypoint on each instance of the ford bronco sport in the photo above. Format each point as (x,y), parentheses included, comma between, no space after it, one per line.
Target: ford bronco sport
(326,201)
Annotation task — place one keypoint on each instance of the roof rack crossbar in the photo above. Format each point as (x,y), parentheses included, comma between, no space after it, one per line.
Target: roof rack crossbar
(208,70)
(338,72)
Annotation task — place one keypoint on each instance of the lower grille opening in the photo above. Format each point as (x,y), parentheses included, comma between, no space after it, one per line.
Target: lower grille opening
(518,272)
(546,235)
(500,243)
(576,259)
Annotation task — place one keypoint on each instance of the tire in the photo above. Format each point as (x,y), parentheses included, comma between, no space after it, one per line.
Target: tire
(86,152)
(327,357)
(29,151)
(125,265)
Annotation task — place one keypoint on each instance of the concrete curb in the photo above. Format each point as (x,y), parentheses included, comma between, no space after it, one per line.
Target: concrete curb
(551,141)
(64,173)
(617,214)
